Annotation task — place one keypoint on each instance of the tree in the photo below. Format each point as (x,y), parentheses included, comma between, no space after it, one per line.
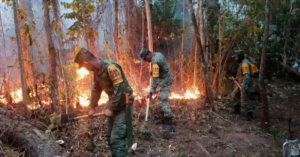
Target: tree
(20,57)
(263,91)
(52,54)
(148,15)
(204,62)
(55,9)
(116,37)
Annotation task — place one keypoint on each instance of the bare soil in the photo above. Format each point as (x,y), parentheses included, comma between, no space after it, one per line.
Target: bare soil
(199,131)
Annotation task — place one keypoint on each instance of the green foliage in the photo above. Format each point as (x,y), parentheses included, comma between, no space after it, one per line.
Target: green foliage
(77,29)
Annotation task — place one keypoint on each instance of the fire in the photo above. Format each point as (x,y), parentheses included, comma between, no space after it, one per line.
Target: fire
(187,95)
(81,73)
(17,95)
(84,99)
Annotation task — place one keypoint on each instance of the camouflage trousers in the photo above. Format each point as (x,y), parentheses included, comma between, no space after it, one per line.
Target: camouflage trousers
(116,132)
(243,99)
(165,86)
(256,88)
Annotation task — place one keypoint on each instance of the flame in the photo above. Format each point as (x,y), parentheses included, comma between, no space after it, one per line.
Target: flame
(81,73)
(17,95)
(84,99)
(187,95)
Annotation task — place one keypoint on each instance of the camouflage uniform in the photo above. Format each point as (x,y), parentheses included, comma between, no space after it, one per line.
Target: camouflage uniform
(161,74)
(255,71)
(111,79)
(245,77)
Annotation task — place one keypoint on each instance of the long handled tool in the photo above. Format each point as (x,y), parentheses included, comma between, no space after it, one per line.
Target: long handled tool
(66,118)
(231,77)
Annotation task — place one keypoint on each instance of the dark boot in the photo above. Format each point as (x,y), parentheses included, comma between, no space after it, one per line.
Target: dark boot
(170,127)
(237,109)
(161,121)
(249,117)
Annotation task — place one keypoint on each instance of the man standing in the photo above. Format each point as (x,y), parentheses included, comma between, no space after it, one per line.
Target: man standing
(255,75)
(109,77)
(245,76)
(161,74)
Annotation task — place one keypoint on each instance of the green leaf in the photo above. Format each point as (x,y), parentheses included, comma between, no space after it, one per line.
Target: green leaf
(47,131)
(10,66)
(31,63)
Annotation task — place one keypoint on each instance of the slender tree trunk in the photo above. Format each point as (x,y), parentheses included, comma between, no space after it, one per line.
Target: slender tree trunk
(20,58)
(56,15)
(148,14)
(143,25)
(287,35)
(219,53)
(263,93)
(86,36)
(201,27)
(181,54)
(116,37)
(4,50)
(25,48)
(52,53)
(166,8)
(204,62)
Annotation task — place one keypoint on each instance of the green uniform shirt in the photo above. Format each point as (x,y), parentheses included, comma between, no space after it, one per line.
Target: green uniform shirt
(246,75)
(112,80)
(160,71)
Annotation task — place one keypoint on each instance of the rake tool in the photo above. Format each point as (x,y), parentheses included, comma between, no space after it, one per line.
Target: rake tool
(67,118)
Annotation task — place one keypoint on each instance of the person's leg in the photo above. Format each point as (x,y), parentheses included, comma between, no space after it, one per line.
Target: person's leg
(118,135)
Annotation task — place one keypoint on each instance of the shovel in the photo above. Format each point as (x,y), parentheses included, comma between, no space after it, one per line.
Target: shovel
(66,118)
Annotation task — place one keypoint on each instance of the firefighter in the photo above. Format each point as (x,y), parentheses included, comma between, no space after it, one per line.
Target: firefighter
(245,79)
(161,74)
(109,77)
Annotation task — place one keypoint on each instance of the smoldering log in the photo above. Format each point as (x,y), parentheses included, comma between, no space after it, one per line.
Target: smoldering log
(27,137)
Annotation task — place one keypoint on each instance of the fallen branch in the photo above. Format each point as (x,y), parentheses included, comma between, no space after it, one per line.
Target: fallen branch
(291,70)
(26,137)
(204,150)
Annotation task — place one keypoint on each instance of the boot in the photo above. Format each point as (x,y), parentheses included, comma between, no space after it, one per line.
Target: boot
(249,117)
(161,121)
(237,109)
(170,127)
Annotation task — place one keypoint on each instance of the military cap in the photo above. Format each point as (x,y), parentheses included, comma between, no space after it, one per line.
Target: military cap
(143,53)
(237,52)
(80,56)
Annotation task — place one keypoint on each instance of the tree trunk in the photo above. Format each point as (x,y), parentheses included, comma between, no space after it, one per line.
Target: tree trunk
(52,53)
(56,15)
(219,60)
(287,35)
(204,62)
(116,37)
(6,91)
(181,54)
(263,93)
(20,58)
(27,137)
(201,28)
(148,14)
(143,25)
(86,37)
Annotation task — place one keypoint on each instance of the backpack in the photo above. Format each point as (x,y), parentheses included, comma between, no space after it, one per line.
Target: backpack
(254,66)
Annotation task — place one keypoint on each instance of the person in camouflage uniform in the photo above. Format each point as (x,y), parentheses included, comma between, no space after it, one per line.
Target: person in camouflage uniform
(255,71)
(161,74)
(109,77)
(245,77)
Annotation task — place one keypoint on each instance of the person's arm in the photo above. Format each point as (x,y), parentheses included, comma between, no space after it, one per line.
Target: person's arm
(116,77)
(155,78)
(96,94)
(247,77)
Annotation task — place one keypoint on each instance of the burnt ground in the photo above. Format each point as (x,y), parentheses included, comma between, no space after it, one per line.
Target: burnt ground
(199,132)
